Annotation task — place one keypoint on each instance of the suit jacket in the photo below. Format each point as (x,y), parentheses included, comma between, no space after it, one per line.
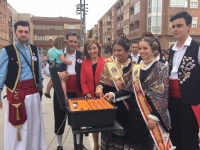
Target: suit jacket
(88,80)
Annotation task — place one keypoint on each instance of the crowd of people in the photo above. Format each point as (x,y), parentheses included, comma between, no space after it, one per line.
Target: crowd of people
(156,91)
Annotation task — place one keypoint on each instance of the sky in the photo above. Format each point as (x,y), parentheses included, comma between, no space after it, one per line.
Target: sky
(65,8)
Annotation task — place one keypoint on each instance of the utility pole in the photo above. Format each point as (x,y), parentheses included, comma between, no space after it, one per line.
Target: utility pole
(157,22)
(81,10)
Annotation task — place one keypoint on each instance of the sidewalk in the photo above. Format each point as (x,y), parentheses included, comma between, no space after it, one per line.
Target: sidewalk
(47,106)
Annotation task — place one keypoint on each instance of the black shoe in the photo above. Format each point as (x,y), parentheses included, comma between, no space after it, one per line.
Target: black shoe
(47,95)
(83,147)
(59,148)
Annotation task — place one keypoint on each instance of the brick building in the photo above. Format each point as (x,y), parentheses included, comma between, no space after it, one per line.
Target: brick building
(4,28)
(134,17)
(46,29)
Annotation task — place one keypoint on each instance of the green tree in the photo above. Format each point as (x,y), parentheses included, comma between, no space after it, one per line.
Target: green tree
(90,34)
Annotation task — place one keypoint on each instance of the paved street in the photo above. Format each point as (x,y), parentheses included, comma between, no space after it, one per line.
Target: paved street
(47,105)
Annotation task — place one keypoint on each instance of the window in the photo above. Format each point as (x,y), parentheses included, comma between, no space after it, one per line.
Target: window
(194,22)
(193,3)
(137,8)
(154,25)
(108,27)
(178,3)
(40,26)
(108,39)
(43,26)
(50,38)
(156,5)
(71,26)
(40,38)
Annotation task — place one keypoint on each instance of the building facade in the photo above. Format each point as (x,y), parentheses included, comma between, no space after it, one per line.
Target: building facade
(14,16)
(134,17)
(46,29)
(4,27)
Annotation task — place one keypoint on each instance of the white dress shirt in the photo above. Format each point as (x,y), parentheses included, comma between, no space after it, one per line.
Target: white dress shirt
(71,68)
(178,55)
(135,58)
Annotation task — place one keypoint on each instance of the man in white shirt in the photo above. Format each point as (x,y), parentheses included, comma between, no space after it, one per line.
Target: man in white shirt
(73,86)
(135,55)
(184,85)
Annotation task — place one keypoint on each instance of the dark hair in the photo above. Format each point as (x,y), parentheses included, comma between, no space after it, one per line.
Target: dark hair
(87,44)
(122,41)
(21,23)
(147,34)
(71,33)
(135,42)
(183,14)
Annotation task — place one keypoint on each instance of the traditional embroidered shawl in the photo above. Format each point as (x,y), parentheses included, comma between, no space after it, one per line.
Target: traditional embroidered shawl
(106,79)
(156,88)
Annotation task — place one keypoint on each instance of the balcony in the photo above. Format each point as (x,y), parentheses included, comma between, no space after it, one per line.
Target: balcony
(131,17)
(134,33)
(118,12)
(42,43)
(54,32)
(122,23)
(118,24)
(122,9)
(132,1)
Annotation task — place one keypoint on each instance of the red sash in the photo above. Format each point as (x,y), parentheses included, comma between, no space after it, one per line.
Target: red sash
(72,85)
(174,91)
(174,88)
(145,109)
(17,110)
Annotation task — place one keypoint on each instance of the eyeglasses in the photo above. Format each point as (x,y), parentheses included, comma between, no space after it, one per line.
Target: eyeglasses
(147,34)
(21,31)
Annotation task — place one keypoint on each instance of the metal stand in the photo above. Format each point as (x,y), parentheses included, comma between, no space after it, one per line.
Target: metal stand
(109,130)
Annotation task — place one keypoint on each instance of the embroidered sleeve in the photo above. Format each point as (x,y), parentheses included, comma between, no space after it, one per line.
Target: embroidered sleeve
(105,78)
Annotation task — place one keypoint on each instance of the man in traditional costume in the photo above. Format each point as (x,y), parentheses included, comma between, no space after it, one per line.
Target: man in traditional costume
(21,73)
(73,86)
(184,85)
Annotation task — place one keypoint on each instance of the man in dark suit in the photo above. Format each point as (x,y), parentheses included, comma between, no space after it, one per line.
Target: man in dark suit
(72,77)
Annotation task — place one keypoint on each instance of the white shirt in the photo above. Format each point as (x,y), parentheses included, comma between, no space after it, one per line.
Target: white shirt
(178,55)
(71,68)
(135,58)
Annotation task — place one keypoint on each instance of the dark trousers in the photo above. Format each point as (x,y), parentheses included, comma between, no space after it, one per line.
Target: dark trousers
(60,115)
(184,133)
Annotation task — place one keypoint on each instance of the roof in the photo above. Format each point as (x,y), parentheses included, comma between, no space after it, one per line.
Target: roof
(53,19)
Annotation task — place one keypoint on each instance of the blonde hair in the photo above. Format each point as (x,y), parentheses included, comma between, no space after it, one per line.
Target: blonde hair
(58,42)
